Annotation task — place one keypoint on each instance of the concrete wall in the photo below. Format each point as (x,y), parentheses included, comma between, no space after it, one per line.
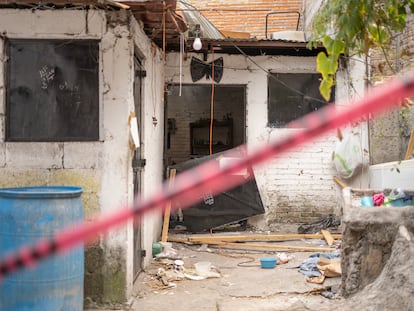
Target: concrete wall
(102,168)
(310,7)
(390,132)
(297,186)
(152,137)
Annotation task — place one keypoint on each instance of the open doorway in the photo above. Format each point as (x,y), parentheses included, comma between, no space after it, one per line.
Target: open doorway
(188,133)
(201,129)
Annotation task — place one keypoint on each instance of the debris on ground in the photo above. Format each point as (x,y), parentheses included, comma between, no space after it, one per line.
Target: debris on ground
(171,270)
(329,267)
(167,251)
(329,221)
(320,265)
(268,242)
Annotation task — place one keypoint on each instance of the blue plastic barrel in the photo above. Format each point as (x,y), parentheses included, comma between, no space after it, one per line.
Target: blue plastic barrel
(26,215)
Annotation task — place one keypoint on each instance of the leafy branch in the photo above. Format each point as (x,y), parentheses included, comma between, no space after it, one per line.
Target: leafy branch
(345,26)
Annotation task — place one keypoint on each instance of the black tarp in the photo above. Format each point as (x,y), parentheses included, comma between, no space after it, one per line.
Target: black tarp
(227,207)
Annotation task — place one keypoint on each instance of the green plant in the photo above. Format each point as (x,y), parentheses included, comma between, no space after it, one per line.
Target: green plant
(347,27)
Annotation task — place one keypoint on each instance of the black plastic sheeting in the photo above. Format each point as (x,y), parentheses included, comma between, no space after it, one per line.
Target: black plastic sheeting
(227,207)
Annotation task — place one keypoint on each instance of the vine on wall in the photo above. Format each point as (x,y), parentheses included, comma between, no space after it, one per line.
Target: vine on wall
(353,27)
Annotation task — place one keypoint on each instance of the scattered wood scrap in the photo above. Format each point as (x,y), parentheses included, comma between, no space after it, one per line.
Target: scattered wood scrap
(242,241)
(340,182)
(409,152)
(167,212)
(328,237)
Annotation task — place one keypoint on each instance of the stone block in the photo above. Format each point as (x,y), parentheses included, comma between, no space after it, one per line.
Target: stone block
(368,236)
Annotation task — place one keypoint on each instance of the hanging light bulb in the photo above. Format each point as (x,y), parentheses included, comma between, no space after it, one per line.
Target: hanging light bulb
(197,44)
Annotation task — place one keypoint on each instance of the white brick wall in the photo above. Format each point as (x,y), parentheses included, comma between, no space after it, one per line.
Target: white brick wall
(298,186)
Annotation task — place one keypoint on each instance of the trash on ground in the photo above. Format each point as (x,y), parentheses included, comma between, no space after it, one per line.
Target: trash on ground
(330,267)
(167,251)
(175,270)
(283,258)
(310,269)
(268,262)
(397,198)
(204,248)
(316,279)
(329,293)
(329,221)
(204,269)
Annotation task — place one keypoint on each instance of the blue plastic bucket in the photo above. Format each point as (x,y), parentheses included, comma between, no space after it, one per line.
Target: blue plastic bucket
(26,215)
(268,263)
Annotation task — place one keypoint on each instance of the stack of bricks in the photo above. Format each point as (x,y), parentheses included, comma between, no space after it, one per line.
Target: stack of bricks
(250,15)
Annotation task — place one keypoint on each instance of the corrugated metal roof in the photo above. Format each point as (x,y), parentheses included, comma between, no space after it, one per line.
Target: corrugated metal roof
(255,47)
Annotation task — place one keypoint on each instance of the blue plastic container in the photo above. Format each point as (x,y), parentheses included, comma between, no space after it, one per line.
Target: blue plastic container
(26,215)
(268,263)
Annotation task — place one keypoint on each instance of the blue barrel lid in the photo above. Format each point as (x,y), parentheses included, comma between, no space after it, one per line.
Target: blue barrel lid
(41,192)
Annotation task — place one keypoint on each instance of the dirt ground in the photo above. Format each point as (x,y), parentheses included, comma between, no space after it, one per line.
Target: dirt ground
(242,283)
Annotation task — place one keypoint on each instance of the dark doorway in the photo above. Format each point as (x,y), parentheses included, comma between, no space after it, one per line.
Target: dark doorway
(137,161)
(190,125)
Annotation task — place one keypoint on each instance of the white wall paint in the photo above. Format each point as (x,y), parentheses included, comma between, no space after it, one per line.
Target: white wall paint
(109,160)
(153,135)
(296,183)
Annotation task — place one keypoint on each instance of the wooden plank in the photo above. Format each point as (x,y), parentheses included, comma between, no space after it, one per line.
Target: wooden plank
(340,182)
(167,211)
(258,237)
(277,247)
(410,147)
(328,237)
(177,239)
(240,238)
(119,4)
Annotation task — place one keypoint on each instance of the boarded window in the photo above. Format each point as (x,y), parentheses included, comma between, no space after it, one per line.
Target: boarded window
(291,96)
(52,90)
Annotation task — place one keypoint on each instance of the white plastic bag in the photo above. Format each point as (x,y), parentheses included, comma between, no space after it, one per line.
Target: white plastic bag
(348,155)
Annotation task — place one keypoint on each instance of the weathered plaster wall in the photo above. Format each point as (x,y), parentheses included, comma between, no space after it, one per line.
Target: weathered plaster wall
(298,185)
(102,168)
(152,138)
(390,132)
(310,7)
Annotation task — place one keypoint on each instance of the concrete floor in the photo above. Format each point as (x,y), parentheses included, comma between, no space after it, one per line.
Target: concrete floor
(238,287)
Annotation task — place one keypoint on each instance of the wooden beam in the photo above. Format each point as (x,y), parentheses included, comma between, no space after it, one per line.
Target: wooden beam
(410,147)
(328,237)
(239,238)
(274,247)
(340,182)
(257,237)
(167,211)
